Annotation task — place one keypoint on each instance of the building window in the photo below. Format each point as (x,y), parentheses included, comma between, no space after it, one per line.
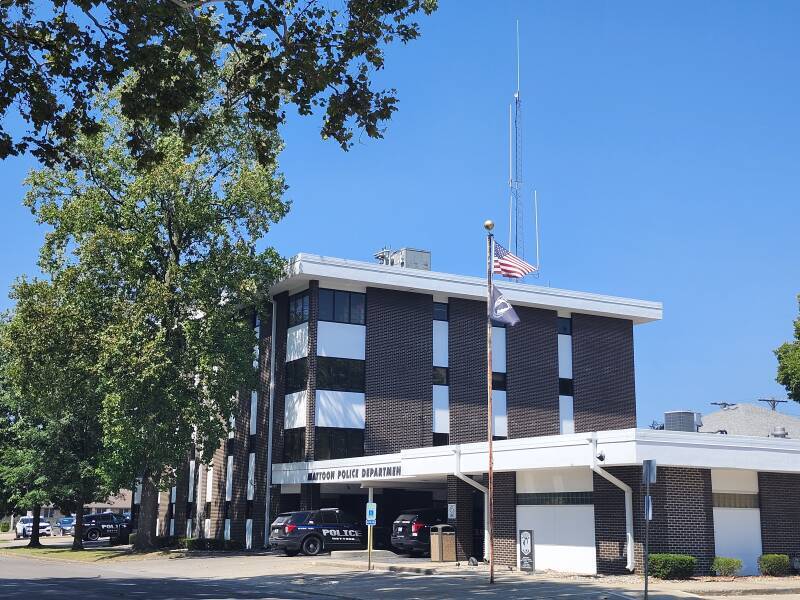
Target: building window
(565,387)
(441,311)
(298,308)
(441,439)
(296,375)
(440,375)
(338,442)
(340,374)
(342,307)
(499,381)
(554,498)
(294,444)
(564,326)
(732,500)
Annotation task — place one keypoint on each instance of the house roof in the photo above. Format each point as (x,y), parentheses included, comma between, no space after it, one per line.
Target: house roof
(749,419)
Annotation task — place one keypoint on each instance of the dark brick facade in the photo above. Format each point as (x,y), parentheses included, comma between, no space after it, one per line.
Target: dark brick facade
(311,383)
(505,519)
(399,371)
(779,498)
(683,517)
(532,374)
(460,493)
(603,375)
(467,358)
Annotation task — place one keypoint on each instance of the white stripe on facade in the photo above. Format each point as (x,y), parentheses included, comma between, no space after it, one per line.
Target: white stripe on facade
(341,340)
(339,409)
(297,342)
(440,344)
(441,409)
(295,410)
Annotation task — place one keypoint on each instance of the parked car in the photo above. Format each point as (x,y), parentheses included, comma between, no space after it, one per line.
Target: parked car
(24,527)
(66,525)
(411,530)
(315,531)
(105,524)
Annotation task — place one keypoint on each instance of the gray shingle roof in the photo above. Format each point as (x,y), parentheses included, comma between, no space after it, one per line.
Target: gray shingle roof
(748,419)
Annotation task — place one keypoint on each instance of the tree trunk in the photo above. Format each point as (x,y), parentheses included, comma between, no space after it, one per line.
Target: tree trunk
(146,528)
(37,515)
(77,532)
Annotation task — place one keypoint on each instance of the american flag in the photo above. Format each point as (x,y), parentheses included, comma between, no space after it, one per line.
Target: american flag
(510,265)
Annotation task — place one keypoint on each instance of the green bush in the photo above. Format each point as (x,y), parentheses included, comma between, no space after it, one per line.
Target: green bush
(726,567)
(672,566)
(204,544)
(5,527)
(233,545)
(776,565)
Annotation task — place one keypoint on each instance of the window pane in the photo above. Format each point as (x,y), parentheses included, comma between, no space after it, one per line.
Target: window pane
(340,374)
(326,305)
(441,439)
(296,375)
(565,387)
(305,308)
(439,375)
(564,326)
(498,381)
(357,309)
(341,307)
(440,311)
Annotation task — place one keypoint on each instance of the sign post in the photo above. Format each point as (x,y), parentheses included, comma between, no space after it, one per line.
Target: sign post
(648,477)
(372,515)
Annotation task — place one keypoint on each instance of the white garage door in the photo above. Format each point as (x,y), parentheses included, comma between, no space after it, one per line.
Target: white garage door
(563,537)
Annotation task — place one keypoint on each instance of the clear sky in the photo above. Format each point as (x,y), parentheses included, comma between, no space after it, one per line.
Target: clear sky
(664,141)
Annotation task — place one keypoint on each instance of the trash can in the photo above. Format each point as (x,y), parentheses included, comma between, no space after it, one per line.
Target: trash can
(443,543)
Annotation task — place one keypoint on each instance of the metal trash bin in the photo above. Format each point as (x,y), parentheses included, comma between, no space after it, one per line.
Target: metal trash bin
(443,543)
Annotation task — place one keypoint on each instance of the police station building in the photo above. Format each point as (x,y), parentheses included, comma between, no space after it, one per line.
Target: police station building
(374,376)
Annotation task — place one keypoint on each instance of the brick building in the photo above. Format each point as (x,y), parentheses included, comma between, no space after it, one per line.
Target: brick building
(374,376)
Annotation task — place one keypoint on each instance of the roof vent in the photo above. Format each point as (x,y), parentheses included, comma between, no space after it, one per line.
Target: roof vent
(779,432)
(408,258)
(682,420)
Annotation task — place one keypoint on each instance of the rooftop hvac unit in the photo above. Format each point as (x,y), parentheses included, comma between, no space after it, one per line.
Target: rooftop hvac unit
(682,420)
(409,258)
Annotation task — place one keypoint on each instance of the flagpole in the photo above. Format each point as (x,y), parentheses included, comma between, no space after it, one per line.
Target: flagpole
(489,225)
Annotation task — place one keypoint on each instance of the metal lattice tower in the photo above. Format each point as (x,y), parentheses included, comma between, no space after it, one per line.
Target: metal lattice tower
(516,212)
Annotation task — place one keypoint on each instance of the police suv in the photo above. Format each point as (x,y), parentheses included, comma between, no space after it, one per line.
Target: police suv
(314,531)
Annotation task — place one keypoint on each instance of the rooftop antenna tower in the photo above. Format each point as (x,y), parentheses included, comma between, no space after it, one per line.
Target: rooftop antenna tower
(773,402)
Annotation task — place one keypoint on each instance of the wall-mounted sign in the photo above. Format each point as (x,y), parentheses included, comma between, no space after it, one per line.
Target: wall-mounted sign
(451,511)
(526,562)
(354,473)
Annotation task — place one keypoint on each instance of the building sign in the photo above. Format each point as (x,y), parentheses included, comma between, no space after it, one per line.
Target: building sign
(372,513)
(451,512)
(354,473)
(526,550)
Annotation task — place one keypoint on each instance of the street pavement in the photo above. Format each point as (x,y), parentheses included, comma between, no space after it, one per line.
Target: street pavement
(270,577)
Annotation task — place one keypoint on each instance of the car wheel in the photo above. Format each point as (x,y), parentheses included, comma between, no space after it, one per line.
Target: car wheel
(92,535)
(312,545)
(290,552)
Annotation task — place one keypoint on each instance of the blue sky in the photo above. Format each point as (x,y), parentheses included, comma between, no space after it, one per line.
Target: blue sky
(664,141)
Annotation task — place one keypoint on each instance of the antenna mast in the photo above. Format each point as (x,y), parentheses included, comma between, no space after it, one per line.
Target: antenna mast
(516,233)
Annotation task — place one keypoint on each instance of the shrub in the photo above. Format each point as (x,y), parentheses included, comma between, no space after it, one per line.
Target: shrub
(233,545)
(776,565)
(204,544)
(5,526)
(672,566)
(726,567)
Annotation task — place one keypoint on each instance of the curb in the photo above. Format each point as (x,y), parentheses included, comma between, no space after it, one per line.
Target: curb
(384,567)
(746,592)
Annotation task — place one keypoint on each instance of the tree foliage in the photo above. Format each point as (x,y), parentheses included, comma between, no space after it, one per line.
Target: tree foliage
(173,243)
(56,55)
(788,355)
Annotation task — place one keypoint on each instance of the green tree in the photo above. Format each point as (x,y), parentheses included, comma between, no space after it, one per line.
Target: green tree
(55,55)
(788,355)
(53,348)
(174,241)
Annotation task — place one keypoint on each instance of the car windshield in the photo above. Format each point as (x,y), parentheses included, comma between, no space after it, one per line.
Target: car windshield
(26,520)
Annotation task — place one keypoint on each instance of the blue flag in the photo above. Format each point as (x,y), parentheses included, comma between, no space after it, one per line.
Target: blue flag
(502,311)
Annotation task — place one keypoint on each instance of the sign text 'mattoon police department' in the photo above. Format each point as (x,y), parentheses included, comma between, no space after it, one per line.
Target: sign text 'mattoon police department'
(354,473)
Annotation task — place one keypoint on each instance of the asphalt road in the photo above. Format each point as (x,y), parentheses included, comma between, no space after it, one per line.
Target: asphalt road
(264,577)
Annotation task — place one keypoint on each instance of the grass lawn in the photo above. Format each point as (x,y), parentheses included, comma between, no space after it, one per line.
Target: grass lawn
(88,555)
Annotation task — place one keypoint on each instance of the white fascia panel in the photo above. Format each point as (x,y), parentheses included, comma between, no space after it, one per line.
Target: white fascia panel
(540,481)
(295,410)
(566,414)
(341,340)
(564,356)
(441,409)
(498,349)
(735,481)
(297,342)
(499,413)
(440,343)
(339,409)
(336,272)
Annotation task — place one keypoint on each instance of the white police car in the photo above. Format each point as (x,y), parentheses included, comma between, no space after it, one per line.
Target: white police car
(315,531)
(24,527)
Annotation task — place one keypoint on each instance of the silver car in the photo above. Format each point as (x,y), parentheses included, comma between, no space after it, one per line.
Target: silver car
(25,527)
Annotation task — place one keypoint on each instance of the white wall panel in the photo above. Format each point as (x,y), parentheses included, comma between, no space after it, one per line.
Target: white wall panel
(574,479)
(499,413)
(563,537)
(229,479)
(499,349)
(297,342)
(295,410)
(341,340)
(738,481)
(441,409)
(339,409)
(251,475)
(566,413)
(253,412)
(440,343)
(565,356)
(737,534)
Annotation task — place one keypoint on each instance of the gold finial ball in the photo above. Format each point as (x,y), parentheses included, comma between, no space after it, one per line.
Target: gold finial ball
(489,224)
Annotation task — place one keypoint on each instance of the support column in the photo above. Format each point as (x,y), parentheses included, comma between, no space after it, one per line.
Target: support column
(460,494)
(505,519)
